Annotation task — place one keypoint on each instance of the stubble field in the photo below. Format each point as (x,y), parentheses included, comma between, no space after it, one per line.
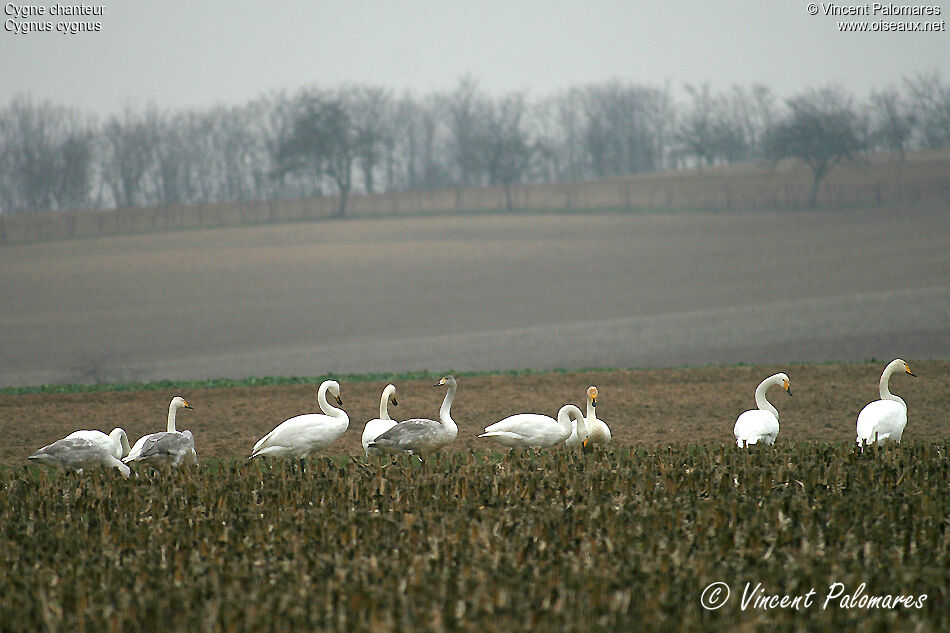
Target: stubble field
(631,537)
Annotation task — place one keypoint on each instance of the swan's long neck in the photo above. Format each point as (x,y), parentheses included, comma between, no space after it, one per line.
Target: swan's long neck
(384,405)
(761,401)
(885,379)
(569,418)
(122,440)
(325,406)
(582,429)
(172,410)
(445,412)
(591,410)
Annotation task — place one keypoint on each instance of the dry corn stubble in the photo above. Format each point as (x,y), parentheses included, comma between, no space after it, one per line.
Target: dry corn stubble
(611,540)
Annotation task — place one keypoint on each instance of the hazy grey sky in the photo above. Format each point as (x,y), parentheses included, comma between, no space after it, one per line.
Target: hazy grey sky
(184,53)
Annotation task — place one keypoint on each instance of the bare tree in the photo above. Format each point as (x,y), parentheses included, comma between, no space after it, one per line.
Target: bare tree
(506,150)
(321,142)
(466,107)
(369,109)
(49,156)
(821,130)
(130,154)
(893,120)
(931,103)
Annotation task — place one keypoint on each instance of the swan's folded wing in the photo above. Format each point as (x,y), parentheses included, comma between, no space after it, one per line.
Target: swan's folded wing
(407,435)
(164,444)
(70,452)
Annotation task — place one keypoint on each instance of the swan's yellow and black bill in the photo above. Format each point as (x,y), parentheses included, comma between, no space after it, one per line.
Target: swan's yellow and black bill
(393,400)
(788,387)
(909,371)
(339,400)
(188,406)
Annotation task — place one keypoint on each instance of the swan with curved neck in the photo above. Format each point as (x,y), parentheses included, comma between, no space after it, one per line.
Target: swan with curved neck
(420,436)
(168,447)
(533,430)
(116,442)
(85,449)
(884,420)
(301,435)
(375,428)
(597,430)
(761,425)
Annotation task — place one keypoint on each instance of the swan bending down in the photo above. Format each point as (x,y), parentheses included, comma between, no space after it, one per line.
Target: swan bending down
(304,434)
(169,446)
(886,418)
(533,430)
(116,442)
(421,436)
(597,431)
(374,428)
(77,453)
(761,425)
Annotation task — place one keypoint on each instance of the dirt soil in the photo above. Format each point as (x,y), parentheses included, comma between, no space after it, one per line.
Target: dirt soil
(642,407)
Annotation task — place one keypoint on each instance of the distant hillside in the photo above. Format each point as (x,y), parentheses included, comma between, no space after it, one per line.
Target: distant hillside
(880,180)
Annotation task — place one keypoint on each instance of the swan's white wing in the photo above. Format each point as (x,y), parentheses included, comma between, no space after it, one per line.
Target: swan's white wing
(756,426)
(598,431)
(508,439)
(301,435)
(525,430)
(372,430)
(883,420)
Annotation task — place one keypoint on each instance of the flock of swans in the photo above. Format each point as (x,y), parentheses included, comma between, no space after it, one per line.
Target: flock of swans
(882,421)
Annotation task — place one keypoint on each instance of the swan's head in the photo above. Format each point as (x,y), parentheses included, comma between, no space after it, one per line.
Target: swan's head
(334,388)
(592,395)
(902,364)
(446,380)
(180,403)
(390,392)
(784,381)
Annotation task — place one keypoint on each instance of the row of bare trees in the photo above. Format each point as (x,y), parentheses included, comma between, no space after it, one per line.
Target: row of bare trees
(370,139)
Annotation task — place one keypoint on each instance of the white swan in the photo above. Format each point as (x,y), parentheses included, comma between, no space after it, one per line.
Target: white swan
(421,436)
(597,431)
(116,442)
(77,453)
(761,425)
(533,430)
(167,447)
(374,428)
(886,418)
(304,434)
